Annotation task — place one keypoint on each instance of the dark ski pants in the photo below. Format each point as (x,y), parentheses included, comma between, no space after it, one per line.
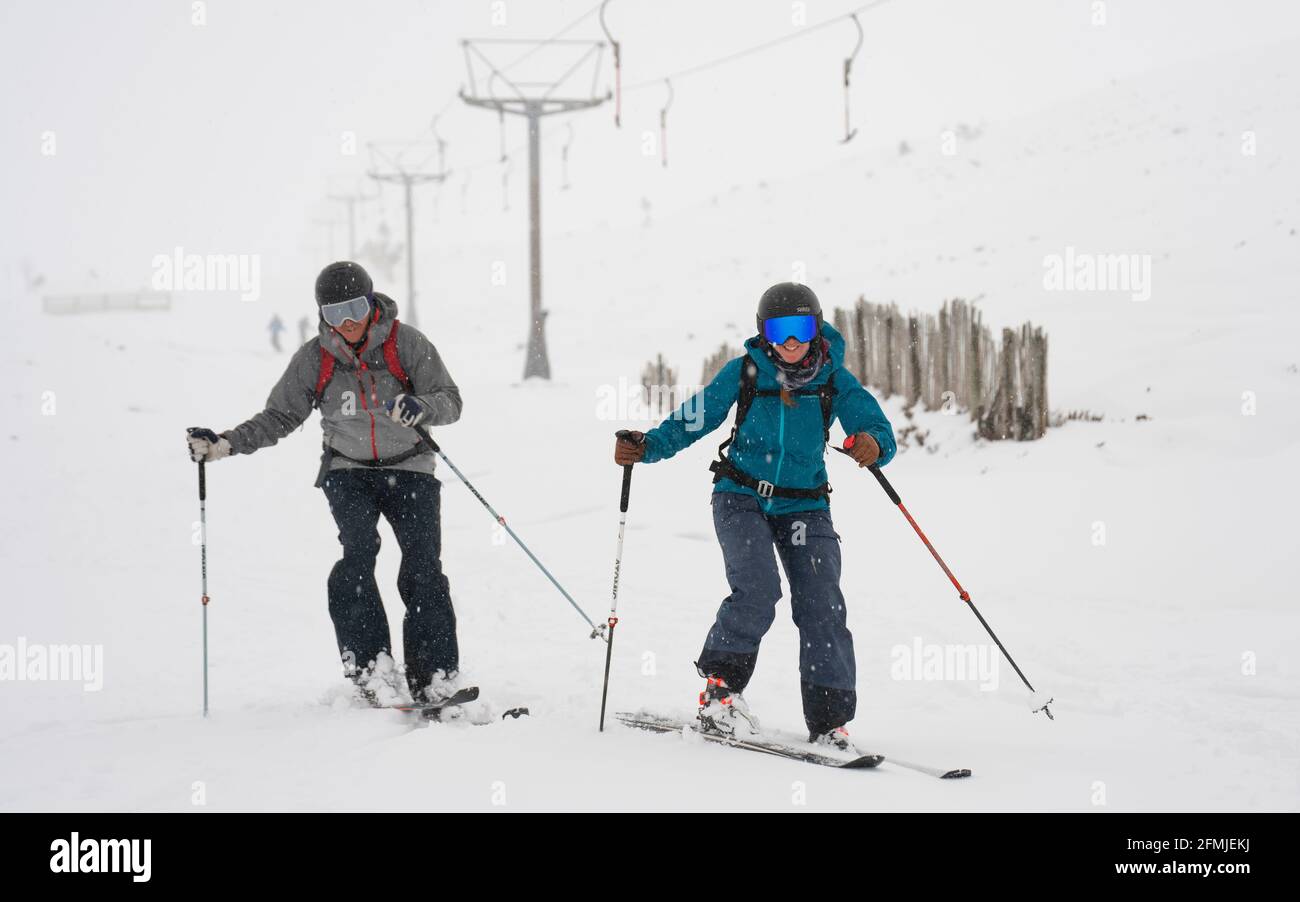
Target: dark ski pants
(411,503)
(809,549)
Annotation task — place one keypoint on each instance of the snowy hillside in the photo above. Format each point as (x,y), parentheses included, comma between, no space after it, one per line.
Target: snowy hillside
(1142,640)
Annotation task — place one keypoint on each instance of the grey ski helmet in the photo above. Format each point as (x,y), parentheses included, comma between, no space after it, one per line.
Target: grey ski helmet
(342,281)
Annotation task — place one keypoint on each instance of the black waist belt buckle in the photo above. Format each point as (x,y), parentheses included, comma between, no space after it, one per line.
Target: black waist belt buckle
(725,469)
(415,451)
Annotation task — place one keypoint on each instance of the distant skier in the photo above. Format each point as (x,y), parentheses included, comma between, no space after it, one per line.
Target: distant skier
(373,379)
(772,490)
(303,325)
(275,328)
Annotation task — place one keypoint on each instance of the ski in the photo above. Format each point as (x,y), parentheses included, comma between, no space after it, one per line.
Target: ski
(433,710)
(955,774)
(768,747)
(785,750)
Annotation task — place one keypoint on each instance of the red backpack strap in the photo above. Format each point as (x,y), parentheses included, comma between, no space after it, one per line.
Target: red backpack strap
(392,360)
(326,373)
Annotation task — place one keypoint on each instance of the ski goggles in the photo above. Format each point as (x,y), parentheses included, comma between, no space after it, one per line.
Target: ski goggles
(777,329)
(356,310)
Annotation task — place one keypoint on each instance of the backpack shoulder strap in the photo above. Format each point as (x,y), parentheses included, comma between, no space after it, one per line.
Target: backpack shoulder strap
(748,390)
(827,394)
(393,362)
(326,373)
(748,382)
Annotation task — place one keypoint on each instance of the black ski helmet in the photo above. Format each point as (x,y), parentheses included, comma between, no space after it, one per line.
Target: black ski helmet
(788,299)
(342,281)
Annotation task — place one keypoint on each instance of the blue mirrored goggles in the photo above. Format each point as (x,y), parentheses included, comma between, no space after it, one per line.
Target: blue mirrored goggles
(356,309)
(777,329)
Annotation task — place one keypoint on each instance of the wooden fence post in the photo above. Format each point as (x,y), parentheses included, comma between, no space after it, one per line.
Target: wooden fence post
(914,360)
(975,367)
(942,357)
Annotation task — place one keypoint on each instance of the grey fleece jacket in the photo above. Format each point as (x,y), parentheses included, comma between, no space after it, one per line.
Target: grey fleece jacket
(353,417)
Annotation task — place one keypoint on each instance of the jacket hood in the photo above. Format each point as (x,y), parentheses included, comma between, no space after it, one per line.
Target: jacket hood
(754,348)
(333,342)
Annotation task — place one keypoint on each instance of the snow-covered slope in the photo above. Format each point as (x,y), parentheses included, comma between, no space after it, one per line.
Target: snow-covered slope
(1168,647)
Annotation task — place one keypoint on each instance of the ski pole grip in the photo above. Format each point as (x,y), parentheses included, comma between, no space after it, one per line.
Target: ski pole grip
(884,484)
(627,489)
(875,471)
(427,440)
(203,482)
(626,435)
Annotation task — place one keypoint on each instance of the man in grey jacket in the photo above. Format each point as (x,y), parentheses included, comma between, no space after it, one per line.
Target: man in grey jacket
(373,380)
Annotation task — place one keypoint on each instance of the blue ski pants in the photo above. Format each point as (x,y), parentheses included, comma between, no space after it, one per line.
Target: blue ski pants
(809,549)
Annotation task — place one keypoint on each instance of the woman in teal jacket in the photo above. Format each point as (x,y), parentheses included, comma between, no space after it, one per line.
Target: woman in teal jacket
(770,494)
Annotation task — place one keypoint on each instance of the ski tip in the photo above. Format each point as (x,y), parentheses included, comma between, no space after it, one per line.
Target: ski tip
(956,774)
(866,761)
(516,713)
(428,709)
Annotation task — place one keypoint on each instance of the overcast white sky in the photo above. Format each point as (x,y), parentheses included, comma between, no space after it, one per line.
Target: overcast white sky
(225,138)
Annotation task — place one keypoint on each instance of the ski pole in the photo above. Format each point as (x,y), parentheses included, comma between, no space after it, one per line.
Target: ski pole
(618,562)
(203,561)
(433,446)
(961,593)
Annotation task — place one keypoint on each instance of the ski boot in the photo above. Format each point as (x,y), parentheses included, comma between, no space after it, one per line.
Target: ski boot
(380,684)
(437,692)
(837,738)
(724,712)
(440,688)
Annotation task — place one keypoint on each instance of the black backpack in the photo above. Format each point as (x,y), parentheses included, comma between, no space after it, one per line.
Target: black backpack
(723,468)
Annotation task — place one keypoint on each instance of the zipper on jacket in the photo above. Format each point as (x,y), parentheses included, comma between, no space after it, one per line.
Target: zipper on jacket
(780,437)
(374,447)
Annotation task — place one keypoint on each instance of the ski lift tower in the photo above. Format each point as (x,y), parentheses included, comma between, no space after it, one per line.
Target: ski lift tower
(408,178)
(534,100)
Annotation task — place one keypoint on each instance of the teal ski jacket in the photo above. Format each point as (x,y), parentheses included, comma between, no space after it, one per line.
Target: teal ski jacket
(777,443)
